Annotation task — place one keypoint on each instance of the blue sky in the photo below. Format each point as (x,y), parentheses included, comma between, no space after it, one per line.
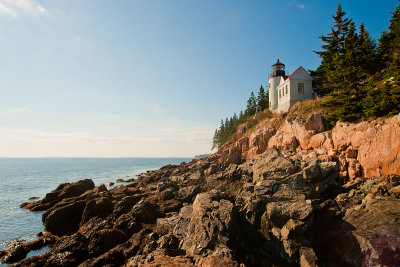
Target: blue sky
(127,78)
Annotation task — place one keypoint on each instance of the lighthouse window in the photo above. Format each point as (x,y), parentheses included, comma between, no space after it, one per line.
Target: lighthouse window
(286,89)
(279,93)
(300,87)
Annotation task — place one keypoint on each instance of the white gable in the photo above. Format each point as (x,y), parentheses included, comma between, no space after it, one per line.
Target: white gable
(300,74)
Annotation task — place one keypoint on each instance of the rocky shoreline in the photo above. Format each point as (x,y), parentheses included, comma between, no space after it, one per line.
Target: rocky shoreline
(277,207)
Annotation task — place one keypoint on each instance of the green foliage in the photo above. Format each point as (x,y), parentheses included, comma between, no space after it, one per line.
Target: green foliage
(262,99)
(251,107)
(229,126)
(351,64)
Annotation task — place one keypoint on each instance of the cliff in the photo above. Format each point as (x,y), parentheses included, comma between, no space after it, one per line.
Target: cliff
(365,149)
(284,192)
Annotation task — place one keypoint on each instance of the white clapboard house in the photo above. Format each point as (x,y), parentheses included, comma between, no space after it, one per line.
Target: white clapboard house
(285,91)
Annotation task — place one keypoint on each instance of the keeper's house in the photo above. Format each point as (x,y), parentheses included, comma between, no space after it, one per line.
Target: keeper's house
(285,91)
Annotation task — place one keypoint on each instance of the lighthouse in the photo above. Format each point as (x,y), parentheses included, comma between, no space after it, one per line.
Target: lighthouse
(278,70)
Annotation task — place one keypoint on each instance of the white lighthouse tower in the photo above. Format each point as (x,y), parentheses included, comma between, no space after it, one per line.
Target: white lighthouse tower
(278,70)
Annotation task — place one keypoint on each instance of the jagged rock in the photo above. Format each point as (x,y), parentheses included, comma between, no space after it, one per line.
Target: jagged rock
(368,232)
(105,240)
(15,254)
(126,203)
(114,257)
(183,220)
(63,259)
(75,243)
(100,207)
(65,190)
(145,212)
(258,141)
(377,142)
(76,189)
(189,192)
(127,224)
(272,165)
(247,203)
(209,224)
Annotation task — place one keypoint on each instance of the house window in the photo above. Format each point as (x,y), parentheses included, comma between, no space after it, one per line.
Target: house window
(279,93)
(283,91)
(286,89)
(300,88)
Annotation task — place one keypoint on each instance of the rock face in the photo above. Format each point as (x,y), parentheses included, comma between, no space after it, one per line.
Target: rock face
(293,196)
(377,143)
(364,149)
(209,226)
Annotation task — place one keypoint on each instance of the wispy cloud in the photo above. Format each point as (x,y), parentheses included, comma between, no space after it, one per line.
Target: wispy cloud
(6,112)
(40,136)
(296,4)
(13,7)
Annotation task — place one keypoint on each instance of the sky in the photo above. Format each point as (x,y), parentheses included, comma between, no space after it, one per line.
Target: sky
(150,78)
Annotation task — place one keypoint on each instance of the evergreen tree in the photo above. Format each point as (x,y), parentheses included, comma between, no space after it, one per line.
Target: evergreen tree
(332,51)
(262,100)
(215,143)
(366,54)
(241,116)
(251,105)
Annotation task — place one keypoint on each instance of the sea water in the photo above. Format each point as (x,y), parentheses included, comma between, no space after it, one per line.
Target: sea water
(23,178)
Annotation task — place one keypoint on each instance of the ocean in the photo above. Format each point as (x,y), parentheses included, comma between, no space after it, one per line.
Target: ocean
(22,178)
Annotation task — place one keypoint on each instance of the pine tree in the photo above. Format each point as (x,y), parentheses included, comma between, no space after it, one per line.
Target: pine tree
(215,140)
(366,54)
(251,105)
(262,100)
(332,51)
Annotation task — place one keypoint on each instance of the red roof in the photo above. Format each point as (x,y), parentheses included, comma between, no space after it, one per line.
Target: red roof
(293,72)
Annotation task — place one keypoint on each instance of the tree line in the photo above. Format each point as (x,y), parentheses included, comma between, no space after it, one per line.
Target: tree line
(361,75)
(229,126)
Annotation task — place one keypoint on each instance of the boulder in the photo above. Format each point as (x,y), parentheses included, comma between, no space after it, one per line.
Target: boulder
(76,189)
(210,224)
(100,207)
(64,220)
(272,165)
(258,141)
(145,212)
(316,122)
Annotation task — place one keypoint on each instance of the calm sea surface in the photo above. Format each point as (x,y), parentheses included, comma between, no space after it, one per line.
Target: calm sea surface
(22,178)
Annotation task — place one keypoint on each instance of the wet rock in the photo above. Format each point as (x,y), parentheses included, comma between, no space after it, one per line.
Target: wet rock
(15,254)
